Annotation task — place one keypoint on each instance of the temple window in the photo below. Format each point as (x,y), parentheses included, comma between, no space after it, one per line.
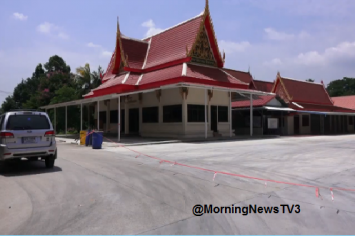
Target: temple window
(150,114)
(172,113)
(222,114)
(305,121)
(195,113)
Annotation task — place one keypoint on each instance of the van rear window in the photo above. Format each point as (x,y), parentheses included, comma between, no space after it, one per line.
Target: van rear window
(27,122)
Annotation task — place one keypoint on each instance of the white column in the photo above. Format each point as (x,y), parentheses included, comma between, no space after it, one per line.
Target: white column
(66,120)
(108,121)
(230,114)
(126,114)
(205,113)
(119,118)
(251,115)
(55,120)
(184,115)
(89,116)
(98,115)
(81,117)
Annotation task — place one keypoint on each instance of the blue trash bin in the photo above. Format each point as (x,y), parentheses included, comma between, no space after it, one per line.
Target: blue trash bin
(97,139)
(88,139)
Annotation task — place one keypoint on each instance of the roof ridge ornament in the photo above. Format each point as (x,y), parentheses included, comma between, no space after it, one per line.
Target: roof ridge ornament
(207,8)
(119,44)
(218,60)
(283,85)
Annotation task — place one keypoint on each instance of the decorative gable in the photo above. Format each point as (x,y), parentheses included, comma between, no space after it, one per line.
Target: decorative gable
(205,48)
(120,61)
(201,50)
(280,91)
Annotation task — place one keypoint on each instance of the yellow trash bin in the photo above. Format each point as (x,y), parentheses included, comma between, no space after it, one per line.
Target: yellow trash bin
(82,137)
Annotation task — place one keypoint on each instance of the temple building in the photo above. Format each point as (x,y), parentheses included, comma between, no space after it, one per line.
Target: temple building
(297,107)
(174,84)
(171,84)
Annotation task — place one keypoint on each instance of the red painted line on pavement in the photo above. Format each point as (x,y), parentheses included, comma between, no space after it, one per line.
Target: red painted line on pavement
(236,175)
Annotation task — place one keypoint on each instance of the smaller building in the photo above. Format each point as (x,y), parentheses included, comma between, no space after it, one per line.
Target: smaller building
(298,107)
(345,101)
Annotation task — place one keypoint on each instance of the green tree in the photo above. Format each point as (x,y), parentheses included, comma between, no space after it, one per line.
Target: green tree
(54,83)
(57,64)
(8,104)
(341,87)
(66,94)
(26,88)
(310,80)
(87,80)
(56,76)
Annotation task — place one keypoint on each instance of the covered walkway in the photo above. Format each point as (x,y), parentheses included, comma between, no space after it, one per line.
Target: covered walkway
(205,91)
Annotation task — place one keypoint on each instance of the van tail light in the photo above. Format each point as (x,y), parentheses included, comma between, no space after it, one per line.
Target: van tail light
(49,134)
(6,135)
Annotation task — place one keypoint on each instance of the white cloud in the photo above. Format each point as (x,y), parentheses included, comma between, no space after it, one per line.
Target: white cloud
(149,24)
(273,62)
(63,35)
(232,47)
(92,45)
(273,34)
(306,7)
(19,16)
(52,30)
(304,35)
(106,54)
(46,28)
(341,52)
(152,30)
(103,52)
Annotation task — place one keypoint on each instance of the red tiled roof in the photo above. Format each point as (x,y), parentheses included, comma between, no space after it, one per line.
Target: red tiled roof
(345,101)
(307,92)
(108,73)
(264,86)
(170,45)
(241,75)
(262,101)
(210,73)
(316,107)
(162,74)
(111,81)
(136,51)
(132,78)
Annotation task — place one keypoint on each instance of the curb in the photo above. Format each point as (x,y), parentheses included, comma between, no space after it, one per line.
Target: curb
(109,144)
(144,144)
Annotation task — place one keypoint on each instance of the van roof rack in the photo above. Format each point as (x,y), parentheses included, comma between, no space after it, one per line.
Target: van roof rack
(25,110)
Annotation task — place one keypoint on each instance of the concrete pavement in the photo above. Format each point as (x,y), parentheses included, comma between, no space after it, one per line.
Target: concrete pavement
(110,191)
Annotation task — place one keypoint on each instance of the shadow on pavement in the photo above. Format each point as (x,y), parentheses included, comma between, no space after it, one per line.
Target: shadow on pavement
(20,168)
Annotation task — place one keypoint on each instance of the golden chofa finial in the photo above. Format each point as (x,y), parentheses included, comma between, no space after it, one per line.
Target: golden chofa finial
(118,26)
(206,5)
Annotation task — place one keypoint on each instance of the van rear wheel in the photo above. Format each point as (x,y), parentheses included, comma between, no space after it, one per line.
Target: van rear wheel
(49,162)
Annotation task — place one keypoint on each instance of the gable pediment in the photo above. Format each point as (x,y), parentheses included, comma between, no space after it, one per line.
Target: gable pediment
(201,52)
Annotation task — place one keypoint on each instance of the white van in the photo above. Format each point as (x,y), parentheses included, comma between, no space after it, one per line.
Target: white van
(27,134)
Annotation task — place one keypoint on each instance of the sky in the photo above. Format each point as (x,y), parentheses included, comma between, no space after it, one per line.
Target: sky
(299,38)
